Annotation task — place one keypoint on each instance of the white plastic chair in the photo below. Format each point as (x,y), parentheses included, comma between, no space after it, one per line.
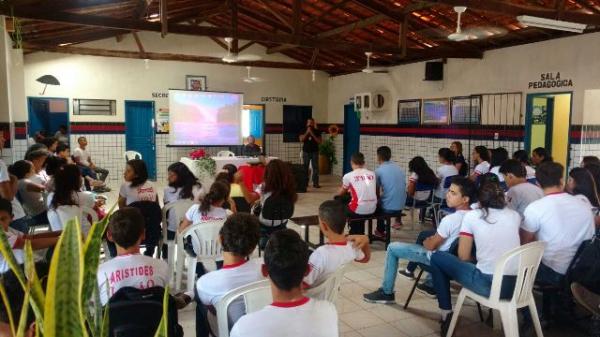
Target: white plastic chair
(59,216)
(205,240)
(529,257)
(179,208)
(225,153)
(256,296)
(328,289)
(129,155)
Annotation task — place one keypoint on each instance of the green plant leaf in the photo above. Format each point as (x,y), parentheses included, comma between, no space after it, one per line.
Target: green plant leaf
(11,321)
(162,330)
(91,252)
(9,257)
(63,314)
(24,313)
(34,283)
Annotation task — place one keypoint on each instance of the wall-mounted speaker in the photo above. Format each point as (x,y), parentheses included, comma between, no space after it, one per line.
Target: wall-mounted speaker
(434,71)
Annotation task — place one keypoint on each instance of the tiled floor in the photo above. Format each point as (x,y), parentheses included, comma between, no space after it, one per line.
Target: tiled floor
(358,318)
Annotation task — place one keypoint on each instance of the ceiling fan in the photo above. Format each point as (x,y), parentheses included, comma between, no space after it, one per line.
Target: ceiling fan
(370,70)
(251,79)
(460,34)
(232,58)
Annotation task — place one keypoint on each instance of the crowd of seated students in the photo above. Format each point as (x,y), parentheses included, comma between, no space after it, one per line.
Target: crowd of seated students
(484,216)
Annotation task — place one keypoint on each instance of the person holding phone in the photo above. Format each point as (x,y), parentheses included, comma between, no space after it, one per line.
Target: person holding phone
(311,138)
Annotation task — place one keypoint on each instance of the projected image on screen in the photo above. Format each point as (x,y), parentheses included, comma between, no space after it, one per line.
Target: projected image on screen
(205,118)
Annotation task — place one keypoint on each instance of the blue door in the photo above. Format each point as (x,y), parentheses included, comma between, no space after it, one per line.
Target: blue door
(139,132)
(47,114)
(351,135)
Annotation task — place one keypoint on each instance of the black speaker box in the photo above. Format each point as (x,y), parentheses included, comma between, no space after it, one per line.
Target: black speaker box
(434,71)
(300,176)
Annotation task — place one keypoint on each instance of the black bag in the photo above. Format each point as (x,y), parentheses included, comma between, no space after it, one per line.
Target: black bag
(585,267)
(137,313)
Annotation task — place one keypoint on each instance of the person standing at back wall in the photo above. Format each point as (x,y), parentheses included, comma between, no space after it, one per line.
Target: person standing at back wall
(311,138)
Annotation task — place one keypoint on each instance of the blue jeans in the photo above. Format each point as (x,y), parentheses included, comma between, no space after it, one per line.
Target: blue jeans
(307,157)
(547,276)
(396,251)
(445,267)
(22,224)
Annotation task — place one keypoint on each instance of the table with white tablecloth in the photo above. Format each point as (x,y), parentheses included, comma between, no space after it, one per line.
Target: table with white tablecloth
(237,161)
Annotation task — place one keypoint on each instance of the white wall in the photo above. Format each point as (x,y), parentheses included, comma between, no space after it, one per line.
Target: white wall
(502,70)
(127,79)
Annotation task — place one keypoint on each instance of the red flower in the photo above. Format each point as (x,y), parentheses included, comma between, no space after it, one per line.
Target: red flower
(197,154)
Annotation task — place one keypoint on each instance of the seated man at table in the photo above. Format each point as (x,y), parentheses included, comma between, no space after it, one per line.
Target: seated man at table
(361,184)
(251,149)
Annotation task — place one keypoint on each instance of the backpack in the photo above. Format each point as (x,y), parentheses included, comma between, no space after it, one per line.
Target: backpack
(277,208)
(585,267)
(137,313)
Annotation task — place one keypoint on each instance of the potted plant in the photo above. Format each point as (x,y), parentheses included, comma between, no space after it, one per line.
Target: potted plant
(327,151)
(204,166)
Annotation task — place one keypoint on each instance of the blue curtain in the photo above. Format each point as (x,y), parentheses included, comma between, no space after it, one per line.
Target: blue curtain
(256,124)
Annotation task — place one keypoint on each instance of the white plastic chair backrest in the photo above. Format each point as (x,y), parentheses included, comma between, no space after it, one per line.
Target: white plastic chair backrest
(178,207)
(59,216)
(528,259)
(256,295)
(129,155)
(225,153)
(328,289)
(205,238)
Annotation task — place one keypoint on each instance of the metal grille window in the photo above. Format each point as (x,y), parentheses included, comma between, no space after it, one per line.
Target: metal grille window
(102,107)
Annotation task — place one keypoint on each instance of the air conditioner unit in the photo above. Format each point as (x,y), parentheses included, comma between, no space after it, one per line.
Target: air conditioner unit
(377,102)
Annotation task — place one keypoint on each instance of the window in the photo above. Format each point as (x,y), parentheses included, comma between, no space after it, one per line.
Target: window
(101,107)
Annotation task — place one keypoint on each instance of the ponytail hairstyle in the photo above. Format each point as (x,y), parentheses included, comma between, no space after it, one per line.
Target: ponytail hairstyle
(185,180)
(67,181)
(490,195)
(419,166)
(483,153)
(219,191)
(585,184)
(543,153)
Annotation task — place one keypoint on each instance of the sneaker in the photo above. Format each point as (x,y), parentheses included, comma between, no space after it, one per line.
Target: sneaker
(102,189)
(426,290)
(316,186)
(397,225)
(379,235)
(407,274)
(378,296)
(445,325)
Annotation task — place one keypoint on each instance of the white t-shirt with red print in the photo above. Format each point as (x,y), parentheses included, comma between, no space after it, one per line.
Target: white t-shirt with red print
(132,270)
(362,185)
(15,238)
(143,192)
(195,216)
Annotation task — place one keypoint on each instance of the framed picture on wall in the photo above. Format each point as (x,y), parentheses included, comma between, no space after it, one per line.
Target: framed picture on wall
(466,109)
(409,111)
(194,82)
(435,111)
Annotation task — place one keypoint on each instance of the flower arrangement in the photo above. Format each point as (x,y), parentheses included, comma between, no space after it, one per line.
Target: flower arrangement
(333,130)
(204,162)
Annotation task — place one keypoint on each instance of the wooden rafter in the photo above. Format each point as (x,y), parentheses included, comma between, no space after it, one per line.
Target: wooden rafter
(164,18)
(297,16)
(330,10)
(266,5)
(141,8)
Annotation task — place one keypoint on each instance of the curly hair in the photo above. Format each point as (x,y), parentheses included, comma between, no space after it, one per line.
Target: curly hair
(240,234)
(279,180)
(185,179)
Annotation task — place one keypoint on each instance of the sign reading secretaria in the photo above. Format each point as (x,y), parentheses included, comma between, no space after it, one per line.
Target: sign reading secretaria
(551,80)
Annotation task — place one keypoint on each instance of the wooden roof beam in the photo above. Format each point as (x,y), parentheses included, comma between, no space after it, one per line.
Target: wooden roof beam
(141,8)
(331,9)
(513,9)
(164,18)
(275,13)
(164,56)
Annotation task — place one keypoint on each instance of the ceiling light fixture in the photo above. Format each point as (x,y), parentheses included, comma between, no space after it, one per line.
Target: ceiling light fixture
(534,21)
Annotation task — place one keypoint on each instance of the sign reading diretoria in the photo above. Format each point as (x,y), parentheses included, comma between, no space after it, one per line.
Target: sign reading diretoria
(551,80)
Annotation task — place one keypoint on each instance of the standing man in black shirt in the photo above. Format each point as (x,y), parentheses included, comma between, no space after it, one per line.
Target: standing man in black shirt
(311,139)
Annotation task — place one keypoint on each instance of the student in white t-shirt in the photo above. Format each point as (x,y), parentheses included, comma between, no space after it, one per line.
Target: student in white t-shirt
(561,220)
(239,237)
(523,157)
(67,200)
(421,184)
(182,185)
(211,207)
(520,192)
(447,169)
(494,229)
(361,184)
(339,249)
(136,186)
(17,239)
(481,158)
(497,158)
(30,192)
(291,314)
(459,196)
(129,268)
(88,167)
